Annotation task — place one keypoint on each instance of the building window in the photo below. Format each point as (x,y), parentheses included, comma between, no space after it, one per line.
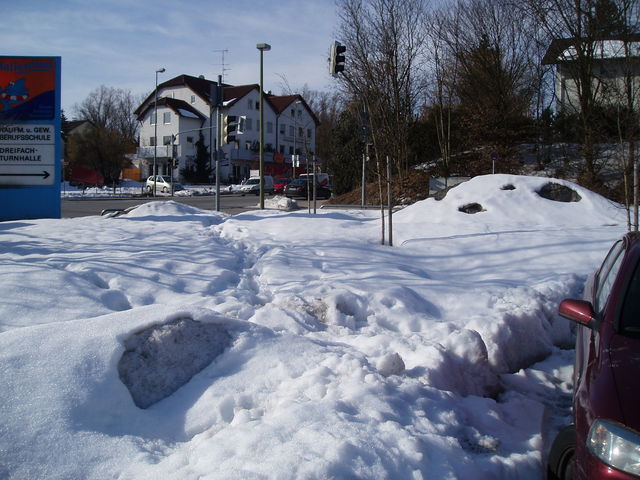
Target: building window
(247,145)
(166,117)
(300,132)
(193,99)
(257,105)
(250,104)
(249,124)
(283,128)
(153,119)
(166,140)
(290,150)
(269,127)
(282,149)
(152,141)
(293,113)
(258,125)
(189,139)
(292,131)
(308,133)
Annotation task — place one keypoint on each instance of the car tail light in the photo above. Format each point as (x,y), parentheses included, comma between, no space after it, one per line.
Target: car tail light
(615,445)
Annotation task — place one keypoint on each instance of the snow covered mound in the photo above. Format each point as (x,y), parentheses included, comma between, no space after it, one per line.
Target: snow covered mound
(283,345)
(516,201)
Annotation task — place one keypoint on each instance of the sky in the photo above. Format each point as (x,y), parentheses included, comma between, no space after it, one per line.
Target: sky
(178,343)
(120,44)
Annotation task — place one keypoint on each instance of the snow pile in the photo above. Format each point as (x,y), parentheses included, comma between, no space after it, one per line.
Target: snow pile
(280,203)
(173,342)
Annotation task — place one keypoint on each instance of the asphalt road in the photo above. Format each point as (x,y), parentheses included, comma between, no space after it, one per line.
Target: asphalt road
(231,204)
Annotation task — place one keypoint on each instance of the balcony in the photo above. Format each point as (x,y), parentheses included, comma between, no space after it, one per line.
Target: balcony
(163,151)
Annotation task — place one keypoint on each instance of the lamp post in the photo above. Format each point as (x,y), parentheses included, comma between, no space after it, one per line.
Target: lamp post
(295,129)
(155,134)
(262,47)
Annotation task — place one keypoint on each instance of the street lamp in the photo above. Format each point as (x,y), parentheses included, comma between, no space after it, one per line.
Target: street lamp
(295,128)
(262,47)
(155,134)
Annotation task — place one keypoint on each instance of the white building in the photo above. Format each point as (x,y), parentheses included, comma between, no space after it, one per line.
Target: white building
(614,69)
(184,113)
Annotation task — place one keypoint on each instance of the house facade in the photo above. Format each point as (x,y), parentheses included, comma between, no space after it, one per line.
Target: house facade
(614,66)
(185,114)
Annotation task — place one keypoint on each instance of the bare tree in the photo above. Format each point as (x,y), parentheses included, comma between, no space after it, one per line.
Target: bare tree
(104,147)
(489,72)
(385,43)
(626,97)
(574,30)
(111,108)
(444,29)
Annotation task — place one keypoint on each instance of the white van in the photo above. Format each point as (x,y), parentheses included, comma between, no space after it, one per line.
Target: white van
(253,185)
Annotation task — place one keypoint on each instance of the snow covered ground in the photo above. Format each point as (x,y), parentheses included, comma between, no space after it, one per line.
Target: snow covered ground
(177,343)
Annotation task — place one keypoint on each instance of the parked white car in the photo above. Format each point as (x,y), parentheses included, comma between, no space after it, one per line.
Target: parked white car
(253,185)
(163,184)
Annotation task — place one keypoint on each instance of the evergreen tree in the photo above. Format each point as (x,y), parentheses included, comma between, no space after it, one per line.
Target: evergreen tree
(493,104)
(346,161)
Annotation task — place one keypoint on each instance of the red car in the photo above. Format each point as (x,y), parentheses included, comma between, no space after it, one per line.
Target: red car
(604,440)
(279,184)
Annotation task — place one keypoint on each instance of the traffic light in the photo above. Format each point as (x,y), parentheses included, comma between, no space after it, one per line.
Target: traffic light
(337,58)
(229,129)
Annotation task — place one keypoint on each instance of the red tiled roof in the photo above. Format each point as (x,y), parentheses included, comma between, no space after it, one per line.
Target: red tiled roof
(281,102)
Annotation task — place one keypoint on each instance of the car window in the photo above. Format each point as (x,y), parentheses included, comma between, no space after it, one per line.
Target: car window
(607,275)
(631,309)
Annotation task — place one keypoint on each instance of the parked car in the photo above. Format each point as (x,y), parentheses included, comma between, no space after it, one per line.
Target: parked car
(604,440)
(163,184)
(252,185)
(279,184)
(298,188)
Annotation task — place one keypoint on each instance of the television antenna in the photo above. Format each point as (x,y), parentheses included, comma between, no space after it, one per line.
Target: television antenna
(223,64)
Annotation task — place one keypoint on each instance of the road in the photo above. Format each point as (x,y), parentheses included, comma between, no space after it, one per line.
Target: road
(231,204)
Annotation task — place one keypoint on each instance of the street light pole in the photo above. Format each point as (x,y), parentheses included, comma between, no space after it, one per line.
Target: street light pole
(155,134)
(262,47)
(293,157)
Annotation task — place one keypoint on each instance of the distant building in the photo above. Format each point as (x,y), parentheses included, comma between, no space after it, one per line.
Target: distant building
(184,111)
(614,61)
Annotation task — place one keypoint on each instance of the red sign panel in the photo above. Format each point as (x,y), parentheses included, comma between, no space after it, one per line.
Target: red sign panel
(27,88)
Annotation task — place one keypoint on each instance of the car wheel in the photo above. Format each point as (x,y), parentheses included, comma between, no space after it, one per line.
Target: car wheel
(561,456)
(165,190)
(149,189)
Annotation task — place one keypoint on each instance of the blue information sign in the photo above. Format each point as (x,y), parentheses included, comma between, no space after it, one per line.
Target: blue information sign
(30,139)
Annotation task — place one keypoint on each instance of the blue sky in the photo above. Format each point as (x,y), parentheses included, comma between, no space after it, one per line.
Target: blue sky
(120,43)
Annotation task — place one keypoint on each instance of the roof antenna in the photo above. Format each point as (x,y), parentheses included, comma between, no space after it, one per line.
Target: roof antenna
(222,52)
